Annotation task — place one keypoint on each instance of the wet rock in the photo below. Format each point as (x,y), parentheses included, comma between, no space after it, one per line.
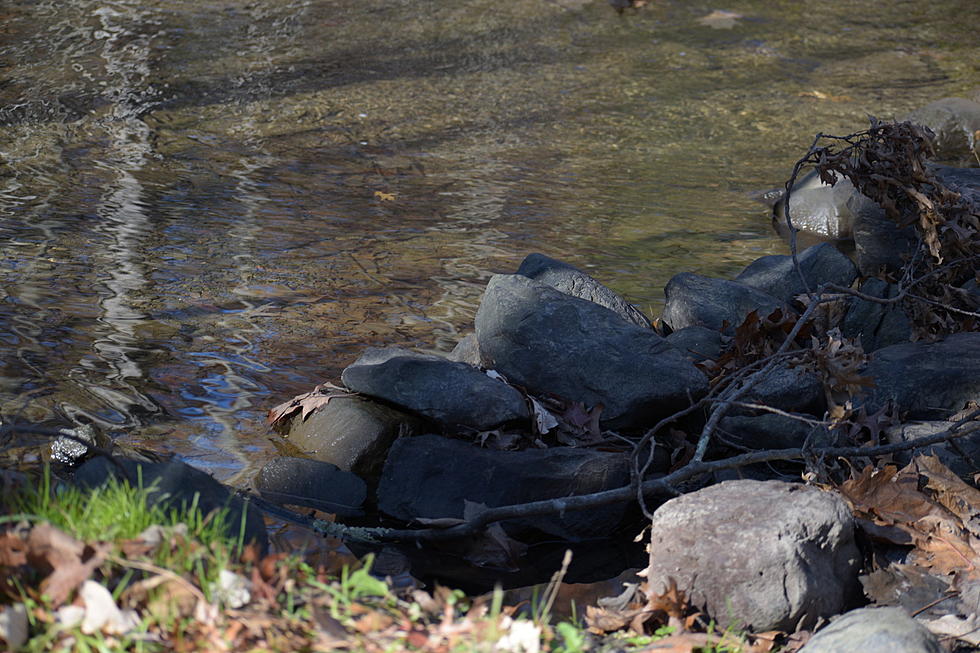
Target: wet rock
(962,455)
(572,281)
(353,433)
(177,485)
(719,304)
(777,276)
(467,350)
(312,483)
(874,630)
(955,122)
(451,393)
(876,325)
(926,381)
(765,555)
(821,210)
(698,343)
(432,476)
(551,342)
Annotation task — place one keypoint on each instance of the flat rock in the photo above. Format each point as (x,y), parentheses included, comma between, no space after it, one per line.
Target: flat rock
(874,630)
(719,304)
(312,483)
(764,555)
(876,325)
(177,485)
(572,281)
(432,476)
(351,432)
(451,393)
(550,342)
(926,381)
(777,276)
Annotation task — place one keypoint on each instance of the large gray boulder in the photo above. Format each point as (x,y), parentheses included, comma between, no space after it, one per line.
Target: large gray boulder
(719,304)
(550,342)
(777,276)
(821,210)
(572,281)
(765,555)
(926,381)
(351,432)
(451,393)
(432,476)
(874,630)
(955,122)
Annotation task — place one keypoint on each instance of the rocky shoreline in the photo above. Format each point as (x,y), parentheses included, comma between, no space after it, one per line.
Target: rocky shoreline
(565,389)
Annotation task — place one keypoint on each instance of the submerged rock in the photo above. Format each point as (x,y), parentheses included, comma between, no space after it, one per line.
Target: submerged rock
(572,281)
(550,342)
(432,476)
(764,555)
(451,393)
(719,304)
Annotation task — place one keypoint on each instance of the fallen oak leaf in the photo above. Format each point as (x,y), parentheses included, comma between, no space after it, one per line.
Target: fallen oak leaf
(305,403)
(68,562)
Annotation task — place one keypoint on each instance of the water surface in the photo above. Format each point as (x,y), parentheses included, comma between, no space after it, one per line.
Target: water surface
(208,207)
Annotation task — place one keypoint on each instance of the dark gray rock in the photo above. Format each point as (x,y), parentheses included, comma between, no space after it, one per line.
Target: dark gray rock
(572,281)
(777,276)
(467,350)
(550,342)
(876,325)
(881,244)
(451,393)
(791,389)
(432,476)
(764,555)
(961,456)
(177,485)
(351,432)
(311,483)
(769,431)
(874,630)
(955,122)
(926,381)
(698,343)
(695,300)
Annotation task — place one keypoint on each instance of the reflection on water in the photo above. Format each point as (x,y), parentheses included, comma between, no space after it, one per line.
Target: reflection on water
(206,208)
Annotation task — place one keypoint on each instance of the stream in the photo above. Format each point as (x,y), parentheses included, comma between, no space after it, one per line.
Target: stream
(209,207)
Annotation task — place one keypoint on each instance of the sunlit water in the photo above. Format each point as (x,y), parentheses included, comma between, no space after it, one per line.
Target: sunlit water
(208,207)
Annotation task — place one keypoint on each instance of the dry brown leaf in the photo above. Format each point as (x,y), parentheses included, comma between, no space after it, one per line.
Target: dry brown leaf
(951,492)
(67,561)
(305,403)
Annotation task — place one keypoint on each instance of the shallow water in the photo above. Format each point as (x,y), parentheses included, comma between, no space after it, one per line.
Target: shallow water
(208,207)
